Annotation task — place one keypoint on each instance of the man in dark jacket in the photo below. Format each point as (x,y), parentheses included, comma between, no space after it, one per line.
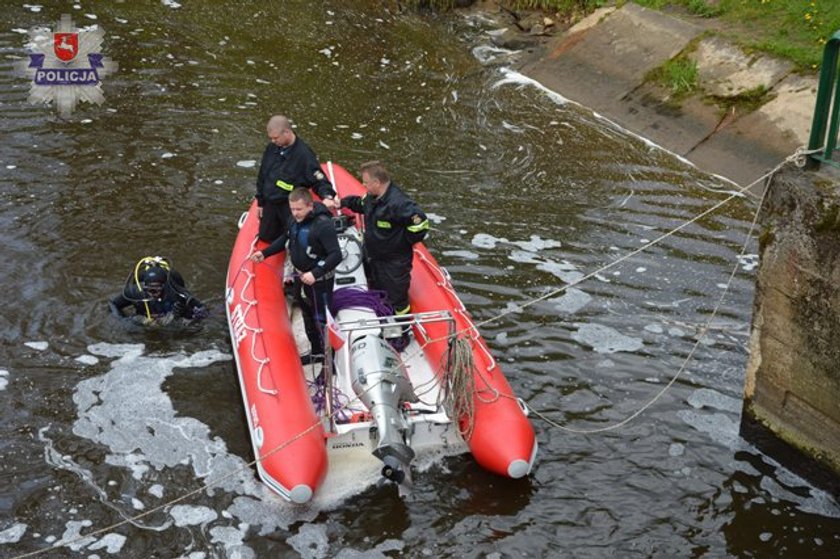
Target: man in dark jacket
(158,294)
(314,252)
(287,163)
(393,223)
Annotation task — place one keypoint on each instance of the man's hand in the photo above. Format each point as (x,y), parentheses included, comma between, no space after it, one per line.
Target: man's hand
(259,212)
(331,203)
(179,309)
(307,278)
(257,257)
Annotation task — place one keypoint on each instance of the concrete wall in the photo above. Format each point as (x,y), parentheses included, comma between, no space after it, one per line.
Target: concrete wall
(793,374)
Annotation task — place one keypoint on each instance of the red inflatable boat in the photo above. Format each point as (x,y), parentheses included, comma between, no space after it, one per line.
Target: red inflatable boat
(372,406)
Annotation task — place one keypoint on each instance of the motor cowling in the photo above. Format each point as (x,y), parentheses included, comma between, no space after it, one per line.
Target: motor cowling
(381,383)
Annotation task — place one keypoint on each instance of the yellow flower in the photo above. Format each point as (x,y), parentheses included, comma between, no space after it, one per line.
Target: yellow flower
(807,17)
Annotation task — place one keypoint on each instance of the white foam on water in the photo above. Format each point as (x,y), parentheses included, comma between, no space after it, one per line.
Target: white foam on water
(33,7)
(112,543)
(435,218)
(654,328)
(170,4)
(483,240)
(722,428)
(311,541)
(232,538)
(38,346)
(72,532)
(356,136)
(13,534)
(167,155)
(564,270)
(515,78)
(192,515)
(246,163)
(706,397)
(604,339)
(676,449)
(572,301)
(127,411)
(4,382)
(87,359)
(748,262)
(536,243)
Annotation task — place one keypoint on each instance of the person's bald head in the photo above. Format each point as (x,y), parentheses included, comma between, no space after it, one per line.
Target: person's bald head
(280,132)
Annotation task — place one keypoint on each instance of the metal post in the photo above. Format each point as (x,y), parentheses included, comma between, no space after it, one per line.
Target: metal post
(825,92)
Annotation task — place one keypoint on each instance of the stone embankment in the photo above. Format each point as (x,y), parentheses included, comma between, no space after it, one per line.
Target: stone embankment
(792,384)
(603,63)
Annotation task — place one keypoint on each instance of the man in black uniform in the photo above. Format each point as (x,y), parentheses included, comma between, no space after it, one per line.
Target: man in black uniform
(393,223)
(287,163)
(158,294)
(314,252)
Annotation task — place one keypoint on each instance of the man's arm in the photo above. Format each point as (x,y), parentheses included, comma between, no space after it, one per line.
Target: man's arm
(117,304)
(355,204)
(329,240)
(414,220)
(278,245)
(261,176)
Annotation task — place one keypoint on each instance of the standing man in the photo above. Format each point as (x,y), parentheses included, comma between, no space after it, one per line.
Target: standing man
(314,252)
(393,223)
(287,162)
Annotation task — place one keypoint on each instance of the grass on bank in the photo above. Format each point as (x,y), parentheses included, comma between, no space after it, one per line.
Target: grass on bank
(678,75)
(793,29)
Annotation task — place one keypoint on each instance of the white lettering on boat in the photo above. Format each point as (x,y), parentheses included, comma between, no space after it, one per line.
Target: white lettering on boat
(239,327)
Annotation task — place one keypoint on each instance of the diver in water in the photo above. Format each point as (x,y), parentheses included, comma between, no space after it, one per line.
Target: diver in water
(158,294)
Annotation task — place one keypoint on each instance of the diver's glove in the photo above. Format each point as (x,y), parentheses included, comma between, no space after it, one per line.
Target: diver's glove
(179,309)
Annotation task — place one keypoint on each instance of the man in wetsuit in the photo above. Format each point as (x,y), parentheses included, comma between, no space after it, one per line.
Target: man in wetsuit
(287,163)
(314,252)
(393,223)
(157,292)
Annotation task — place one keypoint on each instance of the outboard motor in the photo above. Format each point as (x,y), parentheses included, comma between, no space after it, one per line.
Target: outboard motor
(381,382)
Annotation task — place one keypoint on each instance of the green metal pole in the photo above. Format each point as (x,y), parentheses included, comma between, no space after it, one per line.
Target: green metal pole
(828,73)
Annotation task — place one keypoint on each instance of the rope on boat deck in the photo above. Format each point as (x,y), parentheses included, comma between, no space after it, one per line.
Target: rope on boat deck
(459,386)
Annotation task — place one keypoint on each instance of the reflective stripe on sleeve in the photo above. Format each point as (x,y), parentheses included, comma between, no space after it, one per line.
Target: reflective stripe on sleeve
(422,226)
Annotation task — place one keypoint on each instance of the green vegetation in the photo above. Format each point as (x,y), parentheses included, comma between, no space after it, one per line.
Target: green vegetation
(792,29)
(679,75)
(746,101)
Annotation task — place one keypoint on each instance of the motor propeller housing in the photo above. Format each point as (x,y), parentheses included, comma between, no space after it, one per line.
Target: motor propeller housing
(381,383)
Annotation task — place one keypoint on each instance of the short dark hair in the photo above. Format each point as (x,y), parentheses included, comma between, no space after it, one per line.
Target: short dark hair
(301,194)
(376,170)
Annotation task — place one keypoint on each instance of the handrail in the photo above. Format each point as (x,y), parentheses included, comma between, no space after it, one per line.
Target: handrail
(827,107)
